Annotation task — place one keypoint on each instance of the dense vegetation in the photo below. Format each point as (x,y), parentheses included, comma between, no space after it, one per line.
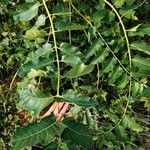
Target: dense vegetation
(92,54)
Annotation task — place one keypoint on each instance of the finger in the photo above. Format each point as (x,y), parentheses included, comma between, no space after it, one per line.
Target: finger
(61,105)
(51,109)
(62,112)
(56,111)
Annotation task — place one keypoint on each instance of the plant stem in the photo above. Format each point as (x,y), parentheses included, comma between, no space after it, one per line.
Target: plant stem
(55,46)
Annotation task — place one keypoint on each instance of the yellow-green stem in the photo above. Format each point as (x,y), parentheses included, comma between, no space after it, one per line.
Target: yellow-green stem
(55,46)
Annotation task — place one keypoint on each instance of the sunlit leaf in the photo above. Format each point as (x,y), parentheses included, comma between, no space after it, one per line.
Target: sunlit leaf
(34,33)
(26,11)
(40,21)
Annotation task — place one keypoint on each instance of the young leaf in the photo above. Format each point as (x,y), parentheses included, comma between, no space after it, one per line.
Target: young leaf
(79,70)
(115,75)
(26,11)
(130,123)
(78,99)
(71,54)
(141,46)
(141,62)
(34,33)
(33,101)
(35,133)
(65,26)
(77,133)
(100,56)
(108,66)
(93,48)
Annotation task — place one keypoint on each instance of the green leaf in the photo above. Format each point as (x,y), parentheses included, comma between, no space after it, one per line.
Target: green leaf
(123,82)
(140,30)
(118,3)
(79,70)
(33,100)
(100,56)
(37,60)
(35,133)
(108,66)
(34,33)
(35,64)
(94,47)
(145,92)
(40,21)
(141,46)
(26,11)
(78,99)
(65,26)
(130,123)
(70,54)
(77,133)
(115,75)
(142,63)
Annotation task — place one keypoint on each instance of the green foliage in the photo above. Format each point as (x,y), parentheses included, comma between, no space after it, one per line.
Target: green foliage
(93,55)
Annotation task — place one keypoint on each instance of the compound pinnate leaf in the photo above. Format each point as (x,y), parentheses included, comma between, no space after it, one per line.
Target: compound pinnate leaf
(35,133)
(33,101)
(79,70)
(26,11)
(77,133)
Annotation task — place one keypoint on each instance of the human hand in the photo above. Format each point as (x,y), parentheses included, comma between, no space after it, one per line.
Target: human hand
(59,110)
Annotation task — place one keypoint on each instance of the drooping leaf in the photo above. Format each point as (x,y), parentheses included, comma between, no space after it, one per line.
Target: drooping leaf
(65,26)
(78,99)
(100,56)
(130,123)
(79,70)
(94,48)
(35,133)
(34,33)
(115,75)
(26,11)
(141,62)
(141,46)
(108,66)
(77,133)
(33,100)
(70,54)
